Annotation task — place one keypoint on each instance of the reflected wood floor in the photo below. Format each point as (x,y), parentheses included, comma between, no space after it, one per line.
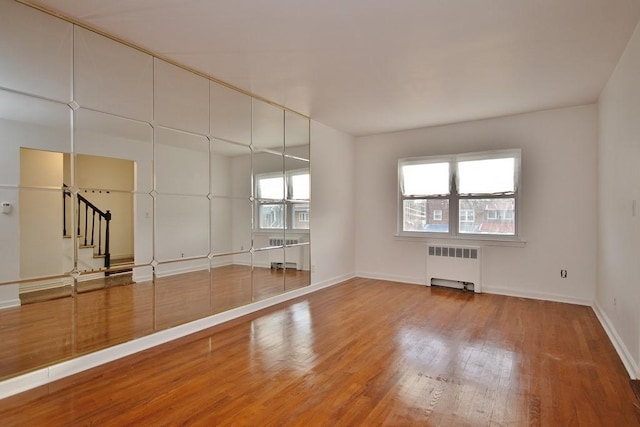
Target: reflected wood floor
(46,332)
(365,352)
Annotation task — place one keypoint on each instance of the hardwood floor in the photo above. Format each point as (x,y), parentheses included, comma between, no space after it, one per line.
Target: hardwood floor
(41,333)
(365,352)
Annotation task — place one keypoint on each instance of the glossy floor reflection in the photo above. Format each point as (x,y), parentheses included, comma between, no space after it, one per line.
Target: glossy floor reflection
(363,353)
(42,333)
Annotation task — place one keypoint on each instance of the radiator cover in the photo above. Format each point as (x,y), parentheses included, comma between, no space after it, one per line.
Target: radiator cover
(457,263)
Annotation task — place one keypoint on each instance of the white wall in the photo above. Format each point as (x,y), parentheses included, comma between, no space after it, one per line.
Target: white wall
(333,220)
(41,244)
(557,202)
(618,283)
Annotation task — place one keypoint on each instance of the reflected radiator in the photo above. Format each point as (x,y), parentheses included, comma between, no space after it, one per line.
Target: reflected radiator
(457,263)
(293,255)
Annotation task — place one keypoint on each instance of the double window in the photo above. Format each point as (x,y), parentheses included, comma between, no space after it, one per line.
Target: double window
(466,194)
(282,201)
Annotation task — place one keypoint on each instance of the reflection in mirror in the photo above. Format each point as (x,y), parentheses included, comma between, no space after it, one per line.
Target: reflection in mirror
(112,316)
(230,114)
(230,281)
(182,292)
(112,77)
(269,192)
(268,273)
(230,225)
(104,135)
(27,122)
(230,170)
(181,162)
(34,42)
(217,224)
(296,135)
(297,264)
(268,127)
(180,98)
(182,227)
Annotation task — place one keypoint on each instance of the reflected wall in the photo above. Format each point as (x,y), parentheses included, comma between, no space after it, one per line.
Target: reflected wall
(216,197)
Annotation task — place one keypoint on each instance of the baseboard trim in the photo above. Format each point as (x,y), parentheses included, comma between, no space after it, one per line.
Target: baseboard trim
(536,295)
(393,278)
(61,370)
(618,344)
(9,303)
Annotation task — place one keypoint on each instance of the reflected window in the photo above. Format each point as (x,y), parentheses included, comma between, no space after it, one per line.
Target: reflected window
(271,216)
(293,210)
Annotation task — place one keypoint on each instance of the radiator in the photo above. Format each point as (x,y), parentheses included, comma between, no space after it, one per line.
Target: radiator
(456,263)
(279,241)
(293,255)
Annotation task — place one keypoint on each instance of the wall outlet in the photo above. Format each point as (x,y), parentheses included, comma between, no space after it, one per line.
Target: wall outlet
(563,274)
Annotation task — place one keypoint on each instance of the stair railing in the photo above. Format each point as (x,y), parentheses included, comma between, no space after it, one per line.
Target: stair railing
(87,208)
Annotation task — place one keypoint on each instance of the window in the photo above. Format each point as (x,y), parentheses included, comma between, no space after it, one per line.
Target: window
(274,210)
(467,215)
(467,194)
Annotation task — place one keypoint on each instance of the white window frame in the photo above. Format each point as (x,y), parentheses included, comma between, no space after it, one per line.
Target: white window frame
(287,202)
(437,214)
(454,198)
(467,217)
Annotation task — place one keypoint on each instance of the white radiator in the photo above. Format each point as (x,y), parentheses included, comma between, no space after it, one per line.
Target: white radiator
(293,255)
(456,263)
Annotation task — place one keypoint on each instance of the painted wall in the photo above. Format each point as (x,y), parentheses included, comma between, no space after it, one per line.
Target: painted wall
(618,283)
(557,204)
(333,204)
(41,244)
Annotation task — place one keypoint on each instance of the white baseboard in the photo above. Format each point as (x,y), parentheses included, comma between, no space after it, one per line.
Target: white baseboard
(618,344)
(393,278)
(40,285)
(9,303)
(536,295)
(61,370)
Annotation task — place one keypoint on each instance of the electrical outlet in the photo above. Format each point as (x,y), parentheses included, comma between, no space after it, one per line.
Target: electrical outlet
(563,274)
(615,301)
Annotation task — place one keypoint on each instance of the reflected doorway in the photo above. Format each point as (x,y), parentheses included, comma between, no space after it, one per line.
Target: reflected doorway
(90,228)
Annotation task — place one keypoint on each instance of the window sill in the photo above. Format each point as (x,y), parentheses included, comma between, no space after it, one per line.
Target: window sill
(279,231)
(514,242)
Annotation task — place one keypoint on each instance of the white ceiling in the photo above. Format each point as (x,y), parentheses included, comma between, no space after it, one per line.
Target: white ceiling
(371,66)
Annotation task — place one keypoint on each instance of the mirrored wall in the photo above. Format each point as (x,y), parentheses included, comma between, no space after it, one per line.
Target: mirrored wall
(136,195)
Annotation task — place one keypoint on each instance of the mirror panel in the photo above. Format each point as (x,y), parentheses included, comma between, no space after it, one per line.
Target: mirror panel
(230,169)
(105,135)
(298,265)
(230,281)
(41,341)
(268,273)
(10,247)
(230,114)
(44,250)
(182,227)
(170,155)
(27,122)
(230,225)
(38,42)
(181,162)
(181,98)
(111,77)
(143,212)
(111,316)
(268,127)
(296,135)
(182,292)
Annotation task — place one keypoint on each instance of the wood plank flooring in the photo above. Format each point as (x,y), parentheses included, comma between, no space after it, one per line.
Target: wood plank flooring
(46,332)
(365,352)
